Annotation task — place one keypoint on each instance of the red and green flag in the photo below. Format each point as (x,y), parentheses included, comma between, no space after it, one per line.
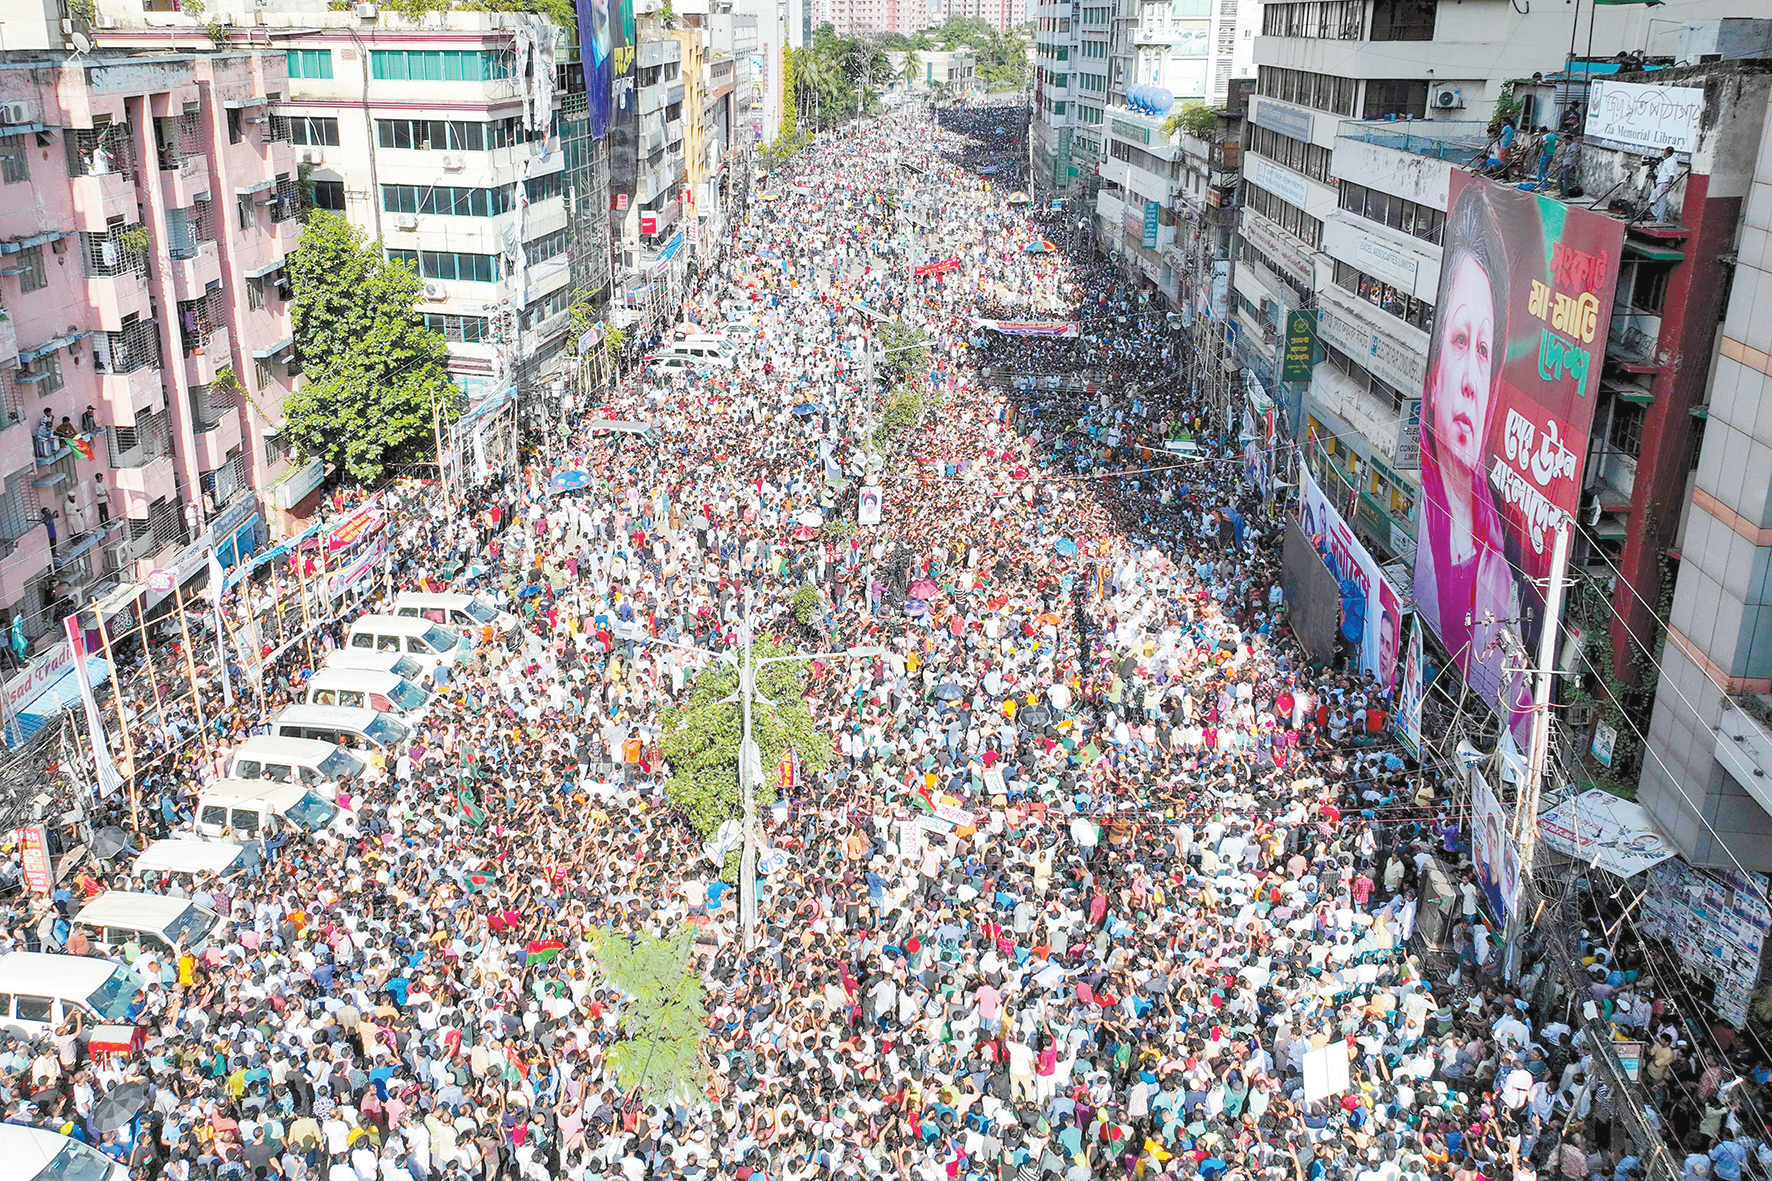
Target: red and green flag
(82,446)
(540,951)
(479,880)
(470,810)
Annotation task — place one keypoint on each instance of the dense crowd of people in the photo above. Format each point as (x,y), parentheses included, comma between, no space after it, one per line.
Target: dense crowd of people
(1106,876)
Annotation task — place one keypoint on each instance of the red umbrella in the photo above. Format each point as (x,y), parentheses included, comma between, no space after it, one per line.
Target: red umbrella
(803,533)
(923,588)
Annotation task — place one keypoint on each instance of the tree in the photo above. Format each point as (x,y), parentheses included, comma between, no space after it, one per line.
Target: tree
(701,738)
(906,348)
(911,69)
(1194,118)
(663,1016)
(377,384)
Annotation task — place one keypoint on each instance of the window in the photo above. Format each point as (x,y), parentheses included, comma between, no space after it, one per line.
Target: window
(1648,289)
(448,202)
(236,126)
(1325,92)
(1295,154)
(329,194)
(31,276)
(1382,295)
(548,305)
(460,329)
(1403,20)
(15,160)
(1247,251)
(437,65)
(248,212)
(307,131)
(1333,20)
(261,371)
(255,294)
(545,247)
(34,1008)
(544,187)
(1422,221)
(311,63)
(1626,433)
(444,264)
(1403,97)
(1367,381)
(450,135)
(1283,213)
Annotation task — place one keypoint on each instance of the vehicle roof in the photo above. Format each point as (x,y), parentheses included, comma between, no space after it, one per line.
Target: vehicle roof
(377,679)
(394,624)
(242,791)
(310,749)
(127,908)
(29,1150)
(45,973)
(440,598)
(188,854)
(345,717)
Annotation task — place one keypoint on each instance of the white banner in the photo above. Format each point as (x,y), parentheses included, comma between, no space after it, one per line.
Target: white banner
(1650,117)
(109,781)
(1371,608)
(1598,828)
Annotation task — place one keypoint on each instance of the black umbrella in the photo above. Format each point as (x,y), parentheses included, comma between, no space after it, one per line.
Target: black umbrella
(1129,668)
(119,1107)
(1035,716)
(948,691)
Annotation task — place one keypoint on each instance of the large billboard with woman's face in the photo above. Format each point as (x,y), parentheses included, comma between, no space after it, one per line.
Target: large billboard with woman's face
(1371,613)
(1513,371)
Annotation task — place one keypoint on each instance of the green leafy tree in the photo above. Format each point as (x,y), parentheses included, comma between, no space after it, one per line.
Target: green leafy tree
(377,385)
(664,1014)
(561,12)
(701,737)
(910,69)
(1194,118)
(906,348)
(807,604)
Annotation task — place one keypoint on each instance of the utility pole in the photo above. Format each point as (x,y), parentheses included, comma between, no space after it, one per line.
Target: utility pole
(1526,809)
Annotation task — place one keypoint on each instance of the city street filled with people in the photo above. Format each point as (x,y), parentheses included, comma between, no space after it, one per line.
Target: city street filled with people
(1106,877)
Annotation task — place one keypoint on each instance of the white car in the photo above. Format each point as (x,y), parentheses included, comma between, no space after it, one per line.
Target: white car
(38,1154)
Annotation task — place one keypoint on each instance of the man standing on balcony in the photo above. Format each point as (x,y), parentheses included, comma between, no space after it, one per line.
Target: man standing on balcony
(43,434)
(101,498)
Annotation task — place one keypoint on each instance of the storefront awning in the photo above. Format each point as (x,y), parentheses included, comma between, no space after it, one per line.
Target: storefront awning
(1602,830)
(45,708)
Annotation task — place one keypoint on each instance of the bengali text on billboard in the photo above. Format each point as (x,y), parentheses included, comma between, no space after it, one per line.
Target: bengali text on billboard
(1513,369)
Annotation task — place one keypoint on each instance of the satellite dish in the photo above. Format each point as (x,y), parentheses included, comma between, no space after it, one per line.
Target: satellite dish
(81,43)
(108,842)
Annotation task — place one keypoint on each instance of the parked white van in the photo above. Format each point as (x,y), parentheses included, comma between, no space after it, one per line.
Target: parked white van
(328,723)
(683,361)
(38,1154)
(433,645)
(397,663)
(309,762)
(189,858)
(362,688)
(245,809)
(39,990)
(473,614)
(151,921)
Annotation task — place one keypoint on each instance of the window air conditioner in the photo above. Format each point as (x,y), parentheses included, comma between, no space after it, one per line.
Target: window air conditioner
(435,291)
(454,163)
(406,221)
(312,156)
(1448,98)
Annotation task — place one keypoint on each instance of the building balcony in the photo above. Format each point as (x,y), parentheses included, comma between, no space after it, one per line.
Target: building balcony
(101,197)
(116,296)
(208,355)
(8,339)
(22,559)
(193,273)
(183,180)
(215,439)
(126,393)
(1457,140)
(142,478)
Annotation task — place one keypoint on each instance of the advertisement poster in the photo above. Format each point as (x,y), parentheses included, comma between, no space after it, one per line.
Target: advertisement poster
(1497,861)
(1067,329)
(1513,371)
(1300,356)
(1409,697)
(594,48)
(1371,609)
(624,108)
(1600,829)
(1646,117)
(33,854)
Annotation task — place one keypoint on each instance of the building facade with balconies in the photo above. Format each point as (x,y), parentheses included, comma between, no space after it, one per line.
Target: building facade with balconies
(149,205)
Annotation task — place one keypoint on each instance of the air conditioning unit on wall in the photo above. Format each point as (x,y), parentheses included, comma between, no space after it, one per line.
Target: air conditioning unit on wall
(1448,98)
(435,291)
(311,156)
(406,221)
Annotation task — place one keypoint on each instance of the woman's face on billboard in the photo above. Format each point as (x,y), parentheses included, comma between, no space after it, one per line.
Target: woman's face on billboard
(1462,374)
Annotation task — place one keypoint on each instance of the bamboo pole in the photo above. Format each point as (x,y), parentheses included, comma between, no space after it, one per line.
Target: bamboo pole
(104,638)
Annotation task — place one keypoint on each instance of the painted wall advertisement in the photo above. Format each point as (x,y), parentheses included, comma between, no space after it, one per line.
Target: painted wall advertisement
(1512,370)
(1371,610)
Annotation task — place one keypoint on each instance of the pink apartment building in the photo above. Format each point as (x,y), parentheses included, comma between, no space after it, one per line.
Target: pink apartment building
(147,203)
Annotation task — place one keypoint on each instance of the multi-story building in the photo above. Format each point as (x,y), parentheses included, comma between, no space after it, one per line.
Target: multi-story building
(955,69)
(852,18)
(149,206)
(440,138)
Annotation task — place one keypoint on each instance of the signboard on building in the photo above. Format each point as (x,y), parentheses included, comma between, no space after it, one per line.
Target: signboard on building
(1409,698)
(1371,609)
(1408,453)
(33,855)
(1130,131)
(1513,368)
(1413,177)
(1301,346)
(1387,358)
(1284,253)
(1646,117)
(1283,119)
(1281,182)
(1150,223)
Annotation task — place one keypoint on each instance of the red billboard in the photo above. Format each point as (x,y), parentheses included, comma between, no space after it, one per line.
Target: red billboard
(1513,371)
